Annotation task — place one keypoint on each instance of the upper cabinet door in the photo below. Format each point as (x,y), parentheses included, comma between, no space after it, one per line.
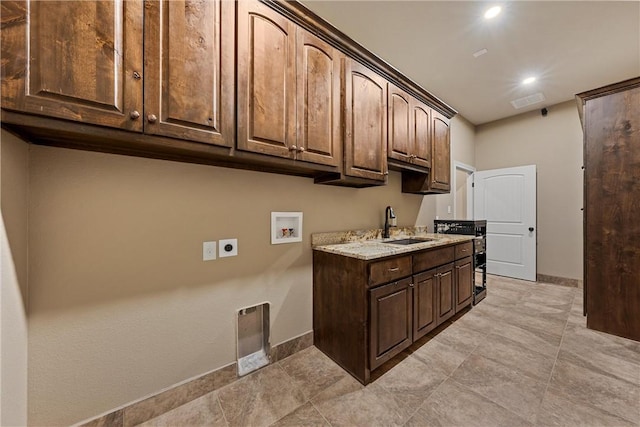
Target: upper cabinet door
(189,70)
(441,168)
(400,144)
(266,81)
(76,60)
(421,130)
(318,100)
(365,142)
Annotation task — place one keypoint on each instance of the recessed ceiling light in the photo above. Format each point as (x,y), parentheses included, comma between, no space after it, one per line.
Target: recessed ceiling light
(528,80)
(480,53)
(492,12)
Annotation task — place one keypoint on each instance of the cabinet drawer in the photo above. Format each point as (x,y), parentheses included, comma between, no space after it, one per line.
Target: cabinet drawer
(464,250)
(389,270)
(431,259)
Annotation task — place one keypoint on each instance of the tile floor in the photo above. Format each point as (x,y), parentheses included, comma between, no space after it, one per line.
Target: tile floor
(521,357)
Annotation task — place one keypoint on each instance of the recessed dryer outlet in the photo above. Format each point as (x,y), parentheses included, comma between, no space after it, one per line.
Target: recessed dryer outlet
(227,247)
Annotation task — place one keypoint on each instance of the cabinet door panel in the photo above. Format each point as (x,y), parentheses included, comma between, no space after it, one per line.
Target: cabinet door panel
(441,155)
(390,310)
(365,123)
(424,303)
(400,146)
(82,57)
(318,99)
(266,80)
(446,293)
(189,70)
(422,135)
(464,282)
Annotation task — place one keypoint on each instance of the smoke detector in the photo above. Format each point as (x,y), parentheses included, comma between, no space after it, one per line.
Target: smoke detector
(527,100)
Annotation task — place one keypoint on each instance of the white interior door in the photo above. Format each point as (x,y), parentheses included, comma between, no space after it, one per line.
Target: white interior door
(506,198)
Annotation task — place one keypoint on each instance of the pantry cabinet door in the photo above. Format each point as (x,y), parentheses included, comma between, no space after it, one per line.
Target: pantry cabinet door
(75,60)
(266,81)
(190,70)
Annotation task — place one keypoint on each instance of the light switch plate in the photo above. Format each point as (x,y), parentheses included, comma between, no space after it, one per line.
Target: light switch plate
(227,247)
(208,251)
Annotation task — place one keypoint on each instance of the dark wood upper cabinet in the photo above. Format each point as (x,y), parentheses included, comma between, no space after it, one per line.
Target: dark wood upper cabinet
(441,152)
(365,115)
(189,70)
(79,60)
(421,129)
(400,144)
(288,89)
(409,123)
(318,100)
(266,80)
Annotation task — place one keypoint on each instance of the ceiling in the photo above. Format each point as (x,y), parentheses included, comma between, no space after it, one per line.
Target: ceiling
(570,46)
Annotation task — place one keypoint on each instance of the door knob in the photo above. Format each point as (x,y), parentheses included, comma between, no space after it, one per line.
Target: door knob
(531,229)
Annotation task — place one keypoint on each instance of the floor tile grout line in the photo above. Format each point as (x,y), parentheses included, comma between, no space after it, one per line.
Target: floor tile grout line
(555,361)
(320,412)
(443,381)
(224,416)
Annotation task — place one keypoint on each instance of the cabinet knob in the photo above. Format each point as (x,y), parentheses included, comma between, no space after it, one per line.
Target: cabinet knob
(394,269)
(386,173)
(152,118)
(411,285)
(134,115)
(293,148)
(301,150)
(136,75)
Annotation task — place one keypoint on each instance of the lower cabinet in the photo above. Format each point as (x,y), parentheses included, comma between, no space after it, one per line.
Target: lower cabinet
(446,293)
(464,282)
(390,308)
(367,312)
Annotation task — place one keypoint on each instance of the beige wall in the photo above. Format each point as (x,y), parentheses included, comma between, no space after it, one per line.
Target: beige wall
(554,145)
(121,303)
(14,169)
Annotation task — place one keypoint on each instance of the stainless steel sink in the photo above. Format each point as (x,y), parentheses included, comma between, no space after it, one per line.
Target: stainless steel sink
(409,241)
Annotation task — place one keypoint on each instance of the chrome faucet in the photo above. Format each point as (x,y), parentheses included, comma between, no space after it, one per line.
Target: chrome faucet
(389,221)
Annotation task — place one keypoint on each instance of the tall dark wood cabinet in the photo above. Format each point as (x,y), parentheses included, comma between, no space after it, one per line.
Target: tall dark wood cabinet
(611,124)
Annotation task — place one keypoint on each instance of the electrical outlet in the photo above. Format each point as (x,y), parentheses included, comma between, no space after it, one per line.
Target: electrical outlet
(448,209)
(228,247)
(208,251)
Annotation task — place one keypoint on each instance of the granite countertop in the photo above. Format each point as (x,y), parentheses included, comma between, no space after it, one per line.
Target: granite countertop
(369,244)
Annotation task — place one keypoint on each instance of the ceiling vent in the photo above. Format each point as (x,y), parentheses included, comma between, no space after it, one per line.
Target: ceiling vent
(527,100)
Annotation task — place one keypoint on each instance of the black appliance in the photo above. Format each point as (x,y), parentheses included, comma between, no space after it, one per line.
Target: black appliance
(476,228)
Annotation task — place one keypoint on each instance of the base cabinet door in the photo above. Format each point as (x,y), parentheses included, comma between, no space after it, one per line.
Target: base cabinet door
(391,322)
(74,60)
(464,282)
(424,303)
(445,292)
